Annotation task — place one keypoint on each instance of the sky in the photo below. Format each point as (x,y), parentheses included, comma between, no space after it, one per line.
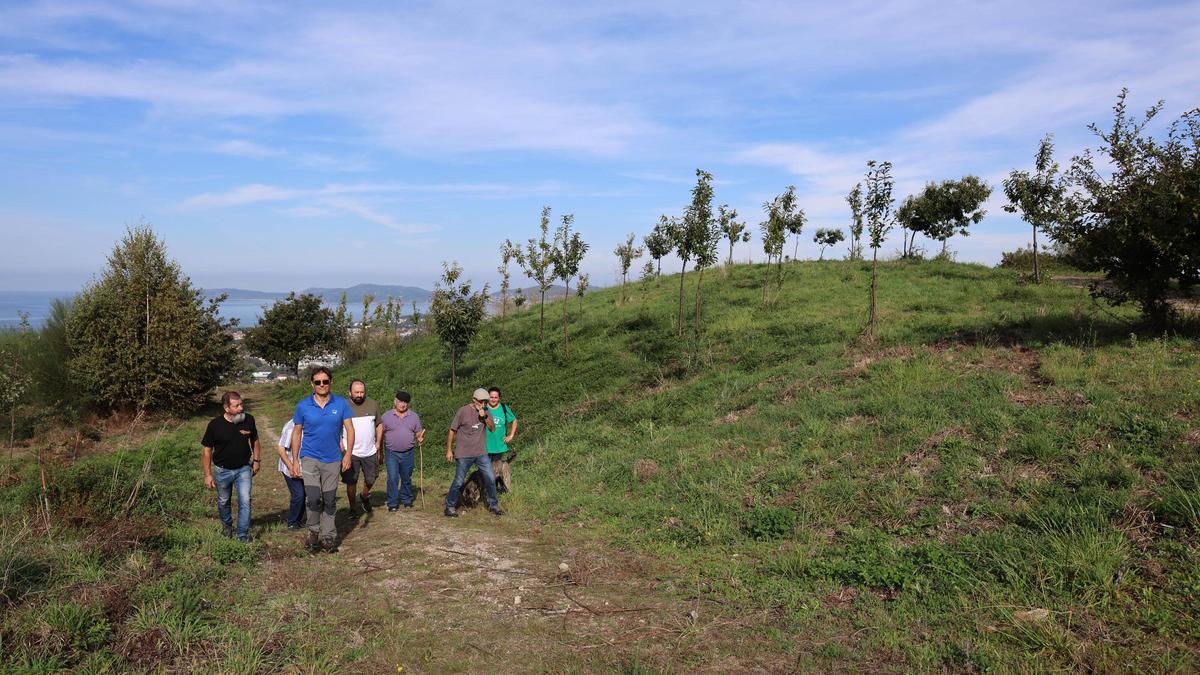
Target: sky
(279,146)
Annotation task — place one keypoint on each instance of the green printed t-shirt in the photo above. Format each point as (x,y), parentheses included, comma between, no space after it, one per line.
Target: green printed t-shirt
(502,416)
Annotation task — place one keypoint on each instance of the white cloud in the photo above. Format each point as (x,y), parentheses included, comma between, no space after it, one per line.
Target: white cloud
(242,148)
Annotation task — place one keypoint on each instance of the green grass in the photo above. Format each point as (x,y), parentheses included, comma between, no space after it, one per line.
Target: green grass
(891,504)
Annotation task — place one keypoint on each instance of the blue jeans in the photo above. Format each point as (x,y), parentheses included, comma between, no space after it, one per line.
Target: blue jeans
(462,466)
(399,474)
(225,479)
(296,514)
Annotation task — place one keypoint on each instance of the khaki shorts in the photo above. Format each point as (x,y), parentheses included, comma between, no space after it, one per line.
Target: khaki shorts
(369,466)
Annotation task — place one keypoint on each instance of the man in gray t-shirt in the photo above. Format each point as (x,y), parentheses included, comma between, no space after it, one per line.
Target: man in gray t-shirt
(466,445)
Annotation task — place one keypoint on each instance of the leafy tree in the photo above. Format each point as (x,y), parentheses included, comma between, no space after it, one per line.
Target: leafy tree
(1138,210)
(794,224)
(17,371)
(784,215)
(569,249)
(944,209)
(293,329)
(582,285)
(774,236)
(826,236)
(648,272)
(660,240)
(536,262)
(879,217)
(1039,197)
(457,314)
(50,362)
(142,337)
(706,251)
(508,253)
(731,229)
(626,253)
(855,200)
(519,300)
(693,235)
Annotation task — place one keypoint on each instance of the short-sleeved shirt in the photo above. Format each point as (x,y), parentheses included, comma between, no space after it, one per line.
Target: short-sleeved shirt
(231,443)
(503,416)
(469,439)
(364,418)
(322,434)
(285,442)
(400,433)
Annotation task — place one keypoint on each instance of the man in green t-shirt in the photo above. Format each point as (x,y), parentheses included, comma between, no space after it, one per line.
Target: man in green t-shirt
(499,438)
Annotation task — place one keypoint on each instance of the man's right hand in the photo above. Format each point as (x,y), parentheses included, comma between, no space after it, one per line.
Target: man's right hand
(209,483)
(450,456)
(295,469)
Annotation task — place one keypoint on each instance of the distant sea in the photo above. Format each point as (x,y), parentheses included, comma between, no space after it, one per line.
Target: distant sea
(37,304)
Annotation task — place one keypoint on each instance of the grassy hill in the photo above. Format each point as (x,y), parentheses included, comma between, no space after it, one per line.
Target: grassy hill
(1006,477)
(917,500)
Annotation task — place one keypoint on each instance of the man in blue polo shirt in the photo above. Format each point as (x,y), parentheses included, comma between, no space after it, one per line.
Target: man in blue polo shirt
(320,420)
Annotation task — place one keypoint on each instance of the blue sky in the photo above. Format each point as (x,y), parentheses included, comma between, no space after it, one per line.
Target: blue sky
(293,144)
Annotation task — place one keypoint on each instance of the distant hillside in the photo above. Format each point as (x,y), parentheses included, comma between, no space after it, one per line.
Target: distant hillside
(354,294)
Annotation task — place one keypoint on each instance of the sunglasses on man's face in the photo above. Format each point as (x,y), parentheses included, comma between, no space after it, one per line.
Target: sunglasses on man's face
(320,383)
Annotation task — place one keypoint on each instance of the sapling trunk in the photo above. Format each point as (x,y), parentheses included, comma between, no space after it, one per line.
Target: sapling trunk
(679,324)
(871,314)
(1037,277)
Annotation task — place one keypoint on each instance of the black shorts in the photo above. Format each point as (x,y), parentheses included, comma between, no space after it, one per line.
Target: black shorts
(369,467)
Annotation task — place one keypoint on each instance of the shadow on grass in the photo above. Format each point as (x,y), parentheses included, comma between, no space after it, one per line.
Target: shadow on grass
(1078,330)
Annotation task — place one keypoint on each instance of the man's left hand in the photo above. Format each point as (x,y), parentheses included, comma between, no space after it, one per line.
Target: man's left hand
(346,463)
(254,467)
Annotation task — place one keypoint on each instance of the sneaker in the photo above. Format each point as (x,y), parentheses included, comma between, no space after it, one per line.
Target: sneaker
(495,511)
(329,546)
(295,528)
(227,531)
(407,506)
(245,539)
(450,513)
(313,543)
(366,503)
(393,509)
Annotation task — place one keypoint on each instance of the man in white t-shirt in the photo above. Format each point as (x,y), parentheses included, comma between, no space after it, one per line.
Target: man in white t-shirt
(364,456)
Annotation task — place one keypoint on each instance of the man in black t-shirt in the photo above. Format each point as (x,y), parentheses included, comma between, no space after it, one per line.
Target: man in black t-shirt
(231,455)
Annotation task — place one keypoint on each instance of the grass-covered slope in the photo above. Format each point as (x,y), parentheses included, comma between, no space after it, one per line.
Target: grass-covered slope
(911,501)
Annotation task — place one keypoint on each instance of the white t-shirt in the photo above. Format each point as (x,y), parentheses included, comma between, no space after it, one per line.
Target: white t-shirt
(285,442)
(365,417)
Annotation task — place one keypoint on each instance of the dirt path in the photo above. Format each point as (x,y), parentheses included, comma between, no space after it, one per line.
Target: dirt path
(426,593)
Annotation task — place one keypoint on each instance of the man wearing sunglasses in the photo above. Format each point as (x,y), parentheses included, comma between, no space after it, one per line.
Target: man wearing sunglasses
(320,420)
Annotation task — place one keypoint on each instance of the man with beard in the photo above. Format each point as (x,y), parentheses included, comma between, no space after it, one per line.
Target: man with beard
(364,456)
(231,456)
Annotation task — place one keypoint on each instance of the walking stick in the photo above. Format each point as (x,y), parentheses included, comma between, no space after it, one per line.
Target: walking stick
(421,477)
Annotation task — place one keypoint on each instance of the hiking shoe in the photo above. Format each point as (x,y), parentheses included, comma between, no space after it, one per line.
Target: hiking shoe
(295,528)
(450,513)
(407,506)
(367,508)
(313,543)
(245,539)
(329,546)
(495,511)
(227,531)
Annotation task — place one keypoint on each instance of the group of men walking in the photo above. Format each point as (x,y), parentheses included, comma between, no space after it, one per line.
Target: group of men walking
(342,440)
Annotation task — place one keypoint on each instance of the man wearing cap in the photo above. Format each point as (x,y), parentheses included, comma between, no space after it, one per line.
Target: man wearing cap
(466,445)
(400,430)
